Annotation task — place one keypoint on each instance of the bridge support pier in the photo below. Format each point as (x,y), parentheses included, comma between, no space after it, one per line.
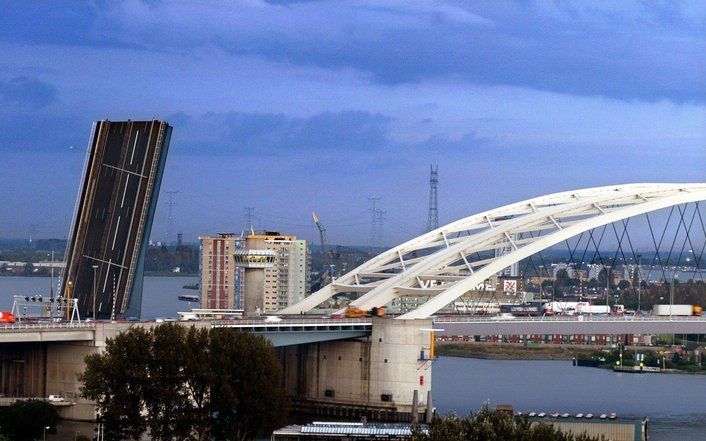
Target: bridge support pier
(376,376)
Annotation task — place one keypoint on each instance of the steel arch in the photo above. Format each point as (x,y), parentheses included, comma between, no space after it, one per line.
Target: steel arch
(444,264)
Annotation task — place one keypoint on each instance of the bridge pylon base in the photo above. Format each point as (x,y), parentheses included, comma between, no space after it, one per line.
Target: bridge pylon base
(374,376)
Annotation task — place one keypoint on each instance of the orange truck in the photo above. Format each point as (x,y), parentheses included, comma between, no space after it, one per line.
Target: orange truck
(355,312)
(7,318)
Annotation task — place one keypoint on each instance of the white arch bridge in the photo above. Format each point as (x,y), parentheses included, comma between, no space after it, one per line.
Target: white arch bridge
(440,266)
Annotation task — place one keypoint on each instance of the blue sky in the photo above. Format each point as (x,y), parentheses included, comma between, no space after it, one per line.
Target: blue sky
(290,107)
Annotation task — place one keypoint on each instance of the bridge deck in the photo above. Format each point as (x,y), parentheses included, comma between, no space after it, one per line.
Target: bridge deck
(466,325)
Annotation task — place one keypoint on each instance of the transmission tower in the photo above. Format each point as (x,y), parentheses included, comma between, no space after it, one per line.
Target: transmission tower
(170,219)
(373,223)
(249,217)
(380,218)
(433,218)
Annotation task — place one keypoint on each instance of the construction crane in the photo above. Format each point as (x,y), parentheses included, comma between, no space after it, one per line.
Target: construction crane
(322,236)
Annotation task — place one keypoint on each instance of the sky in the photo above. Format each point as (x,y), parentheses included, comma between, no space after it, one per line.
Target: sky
(293,107)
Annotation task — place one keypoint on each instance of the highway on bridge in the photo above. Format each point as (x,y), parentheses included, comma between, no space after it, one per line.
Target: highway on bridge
(280,333)
(287,332)
(566,325)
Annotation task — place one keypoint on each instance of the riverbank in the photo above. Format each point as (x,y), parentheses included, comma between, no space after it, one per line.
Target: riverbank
(514,351)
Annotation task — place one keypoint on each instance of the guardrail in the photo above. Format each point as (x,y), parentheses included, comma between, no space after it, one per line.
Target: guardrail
(289,322)
(20,327)
(567,319)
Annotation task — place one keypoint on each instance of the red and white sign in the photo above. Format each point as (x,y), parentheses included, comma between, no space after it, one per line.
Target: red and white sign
(510,285)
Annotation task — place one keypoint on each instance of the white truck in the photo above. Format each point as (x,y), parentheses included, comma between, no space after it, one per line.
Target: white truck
(574,308)
(664,310)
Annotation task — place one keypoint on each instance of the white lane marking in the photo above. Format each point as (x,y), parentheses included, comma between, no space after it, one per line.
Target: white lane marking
(127,181)
(115,236)
(107,273)
(132,155)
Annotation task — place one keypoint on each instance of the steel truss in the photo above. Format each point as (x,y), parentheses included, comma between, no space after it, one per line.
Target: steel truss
(444,264)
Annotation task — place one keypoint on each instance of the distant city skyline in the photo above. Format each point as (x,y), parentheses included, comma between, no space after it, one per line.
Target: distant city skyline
(315,106)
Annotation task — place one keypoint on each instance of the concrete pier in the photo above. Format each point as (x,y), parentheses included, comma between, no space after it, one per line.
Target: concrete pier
(377,376)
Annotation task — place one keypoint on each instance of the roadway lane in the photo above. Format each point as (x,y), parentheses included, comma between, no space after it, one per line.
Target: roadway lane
(569,325)
(112,213)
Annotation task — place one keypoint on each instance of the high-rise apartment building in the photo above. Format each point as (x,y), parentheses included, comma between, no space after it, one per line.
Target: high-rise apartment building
(221,280)
(276,271)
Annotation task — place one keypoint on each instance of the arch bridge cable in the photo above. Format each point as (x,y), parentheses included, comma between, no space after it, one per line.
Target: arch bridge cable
(434,270)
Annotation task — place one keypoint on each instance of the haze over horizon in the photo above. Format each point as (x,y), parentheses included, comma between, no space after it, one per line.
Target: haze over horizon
(293,107)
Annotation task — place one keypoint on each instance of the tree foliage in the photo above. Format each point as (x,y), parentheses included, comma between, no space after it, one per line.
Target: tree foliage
(175,382)
(488,425)
(26,420)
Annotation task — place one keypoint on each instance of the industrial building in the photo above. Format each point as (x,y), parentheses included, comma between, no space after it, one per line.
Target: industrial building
(276,271)
(221,280)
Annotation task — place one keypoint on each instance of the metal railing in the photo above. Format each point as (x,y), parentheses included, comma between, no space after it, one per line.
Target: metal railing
(292,322)
(568,318)
(20,327)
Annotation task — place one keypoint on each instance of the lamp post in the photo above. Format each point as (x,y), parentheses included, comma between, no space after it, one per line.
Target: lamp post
(639,283)
(44,434)
(95,267)
(607,287)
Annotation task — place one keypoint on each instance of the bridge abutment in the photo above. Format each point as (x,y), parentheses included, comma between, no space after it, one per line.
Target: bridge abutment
(376,376)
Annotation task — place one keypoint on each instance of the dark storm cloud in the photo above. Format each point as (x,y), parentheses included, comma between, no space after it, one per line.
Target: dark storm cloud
(26,93)
(625,50)
(263,133)
(43,132)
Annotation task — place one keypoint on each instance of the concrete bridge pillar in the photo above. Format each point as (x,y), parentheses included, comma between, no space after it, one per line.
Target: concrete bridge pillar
(375,376)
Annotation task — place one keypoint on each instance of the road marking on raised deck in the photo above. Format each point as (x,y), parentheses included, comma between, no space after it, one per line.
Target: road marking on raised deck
(127,181)
(115,236)
(132,155)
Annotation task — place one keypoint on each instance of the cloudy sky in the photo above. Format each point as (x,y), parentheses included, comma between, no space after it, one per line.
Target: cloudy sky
(290,107)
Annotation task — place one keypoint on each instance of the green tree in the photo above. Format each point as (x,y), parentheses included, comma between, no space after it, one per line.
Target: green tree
(488,425)
(28,269)
(198,379)
(187,383)
(26,420)
(118,380)
(166,398)
(605,272)
(248,401)
(623,285)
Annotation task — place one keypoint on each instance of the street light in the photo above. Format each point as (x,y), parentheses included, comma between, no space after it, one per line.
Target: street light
(95,267)
(44,435)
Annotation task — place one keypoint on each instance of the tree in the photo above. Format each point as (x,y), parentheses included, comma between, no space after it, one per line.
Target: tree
(249,401)
(605,272)
(490,425)
(187,383)
(28,269)
(623,285)
(118,381)
(26,420)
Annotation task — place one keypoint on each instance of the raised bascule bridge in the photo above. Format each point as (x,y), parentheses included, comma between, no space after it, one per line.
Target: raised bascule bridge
(382,367)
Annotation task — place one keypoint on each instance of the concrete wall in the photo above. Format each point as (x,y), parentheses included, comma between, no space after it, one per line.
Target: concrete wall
(360,372)
(64,364)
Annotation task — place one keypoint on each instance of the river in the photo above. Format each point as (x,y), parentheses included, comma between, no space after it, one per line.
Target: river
(159,297)
(675,403)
